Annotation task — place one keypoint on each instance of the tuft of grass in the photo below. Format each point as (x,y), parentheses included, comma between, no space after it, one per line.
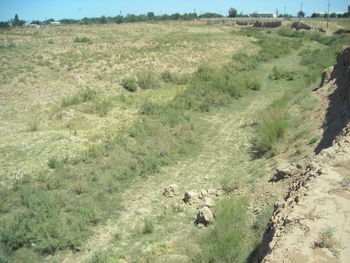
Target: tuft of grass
(129,84)
(147,80)
(278,74)
(327,240)
(33,124)
(271,129)
(81,96)
(148,226)
(82,40)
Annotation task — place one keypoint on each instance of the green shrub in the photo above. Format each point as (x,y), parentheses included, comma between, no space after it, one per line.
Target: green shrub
(230,239)
(147,80)
(54,163)
(148,227)
(129,84)
(252,84)
(33,124)
(278,74)
(82,40)
(83,95)
(271,128)
(168,76)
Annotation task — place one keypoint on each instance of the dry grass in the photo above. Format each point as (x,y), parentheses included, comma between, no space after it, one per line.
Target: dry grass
(41,67)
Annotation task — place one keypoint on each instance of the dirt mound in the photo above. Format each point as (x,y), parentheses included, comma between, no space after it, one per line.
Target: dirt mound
(335,84)
(267,24)
(311,223)
(342,31)
(299,26)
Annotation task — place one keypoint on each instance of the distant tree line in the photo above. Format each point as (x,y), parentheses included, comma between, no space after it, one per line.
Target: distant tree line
(150,16)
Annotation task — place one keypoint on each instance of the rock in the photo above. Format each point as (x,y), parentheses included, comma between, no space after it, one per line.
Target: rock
(219,192)
(212,191)
(171,190)
(204,192)
(284,170)
(191,197)
(208,202)
(204,216)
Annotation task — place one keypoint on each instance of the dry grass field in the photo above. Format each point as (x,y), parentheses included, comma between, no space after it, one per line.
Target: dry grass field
(40,67)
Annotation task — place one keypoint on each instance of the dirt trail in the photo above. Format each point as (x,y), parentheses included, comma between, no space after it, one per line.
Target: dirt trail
(202,171)
(225,150)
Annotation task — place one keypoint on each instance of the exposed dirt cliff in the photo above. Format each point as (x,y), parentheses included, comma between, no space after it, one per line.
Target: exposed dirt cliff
(312,222)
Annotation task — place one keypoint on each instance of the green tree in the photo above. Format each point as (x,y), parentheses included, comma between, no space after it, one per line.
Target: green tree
(150,15)
(232,12)
(16,21)
(301,14)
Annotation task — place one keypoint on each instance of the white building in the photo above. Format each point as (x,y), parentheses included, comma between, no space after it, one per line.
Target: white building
(264,14)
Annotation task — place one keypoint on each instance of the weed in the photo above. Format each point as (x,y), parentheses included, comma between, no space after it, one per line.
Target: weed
(314,140)
(229,238)
(50,41)
(82,40)
(81,96)
(168,77)
(278,74)
(270,130)
(129,84)
(148,227)
(33,124)
(327,240)
(147,80)
(54,163)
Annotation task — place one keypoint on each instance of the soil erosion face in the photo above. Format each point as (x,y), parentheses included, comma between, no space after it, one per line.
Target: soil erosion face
(312,223)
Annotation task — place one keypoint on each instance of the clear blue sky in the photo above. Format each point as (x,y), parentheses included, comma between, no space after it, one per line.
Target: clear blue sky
(58,9)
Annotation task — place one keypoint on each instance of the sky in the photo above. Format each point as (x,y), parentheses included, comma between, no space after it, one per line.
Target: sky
(57,9)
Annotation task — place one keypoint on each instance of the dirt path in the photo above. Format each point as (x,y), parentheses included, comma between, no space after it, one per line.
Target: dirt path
(220,151)
(225,151)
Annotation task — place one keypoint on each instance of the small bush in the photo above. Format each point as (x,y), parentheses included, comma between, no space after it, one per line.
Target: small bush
(129,84)
(230,238)
(82,40)
(54,163)
(278,74)
(168,77)
(270,130)
(252,84)
(33,124)
(147,80)
(81,96)
(148,227)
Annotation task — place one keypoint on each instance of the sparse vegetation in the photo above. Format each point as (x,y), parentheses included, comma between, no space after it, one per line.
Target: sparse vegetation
(327,240)
(129,84)
(55,202)
(83,95)
(82,40)
(147,80)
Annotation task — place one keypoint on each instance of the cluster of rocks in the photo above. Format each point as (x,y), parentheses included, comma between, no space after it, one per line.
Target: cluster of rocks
(203,200)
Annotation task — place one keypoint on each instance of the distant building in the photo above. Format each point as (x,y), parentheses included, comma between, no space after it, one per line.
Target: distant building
(264,14)
(27,24)
(55,23)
